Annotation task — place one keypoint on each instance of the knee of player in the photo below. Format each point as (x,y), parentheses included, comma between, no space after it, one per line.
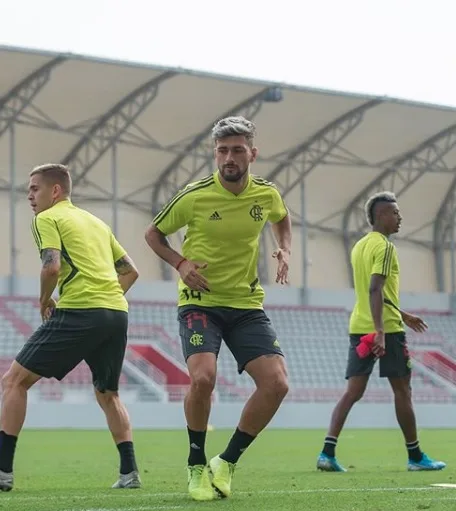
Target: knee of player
(6,382)
(403,393)
(281,388)
(106,398)
(355,394)
(9,381)
(203,380)
(276,385)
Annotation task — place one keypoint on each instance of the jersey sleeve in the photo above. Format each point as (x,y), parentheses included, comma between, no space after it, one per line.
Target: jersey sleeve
(117,249)
(278,208)
(176,214)
(383,252)
(46,234)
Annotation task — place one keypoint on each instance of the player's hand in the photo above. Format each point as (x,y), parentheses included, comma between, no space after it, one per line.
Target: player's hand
(283,263)
(414,322)
(191,276)
(46,309)
(378,348)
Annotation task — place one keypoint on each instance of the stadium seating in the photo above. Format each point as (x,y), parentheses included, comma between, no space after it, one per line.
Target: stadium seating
(314,339)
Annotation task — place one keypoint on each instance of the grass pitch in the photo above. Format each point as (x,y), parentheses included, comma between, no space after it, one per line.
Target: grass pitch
(73,471)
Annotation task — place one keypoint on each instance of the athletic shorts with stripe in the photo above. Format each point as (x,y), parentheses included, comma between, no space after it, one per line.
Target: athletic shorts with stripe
(248,333)
(395,363)
(98,336)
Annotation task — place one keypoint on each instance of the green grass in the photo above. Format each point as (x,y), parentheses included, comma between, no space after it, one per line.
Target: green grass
(73,471)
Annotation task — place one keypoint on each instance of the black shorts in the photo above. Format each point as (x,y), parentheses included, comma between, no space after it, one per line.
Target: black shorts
(98,336)
(248,333)
(395,363)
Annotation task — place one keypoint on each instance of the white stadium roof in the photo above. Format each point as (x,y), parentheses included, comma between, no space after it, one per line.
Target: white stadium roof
(152,125)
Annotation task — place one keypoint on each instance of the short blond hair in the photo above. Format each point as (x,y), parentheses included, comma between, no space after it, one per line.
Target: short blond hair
(55,174)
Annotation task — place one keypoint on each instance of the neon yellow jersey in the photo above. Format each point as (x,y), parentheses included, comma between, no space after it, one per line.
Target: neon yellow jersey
(87,279)
(223,230)
(375,254)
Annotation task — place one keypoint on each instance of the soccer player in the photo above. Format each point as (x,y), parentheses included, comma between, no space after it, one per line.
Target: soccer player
(220,296)
(89,322)
(376,280)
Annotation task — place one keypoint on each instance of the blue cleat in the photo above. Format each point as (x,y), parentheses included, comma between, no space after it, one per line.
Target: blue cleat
(327,463)
(425,464)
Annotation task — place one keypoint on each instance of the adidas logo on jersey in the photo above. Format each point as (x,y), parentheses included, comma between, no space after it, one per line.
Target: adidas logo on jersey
(215,216)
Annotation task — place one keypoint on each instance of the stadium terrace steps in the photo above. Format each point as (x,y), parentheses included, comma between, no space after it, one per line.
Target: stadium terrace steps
(314,341)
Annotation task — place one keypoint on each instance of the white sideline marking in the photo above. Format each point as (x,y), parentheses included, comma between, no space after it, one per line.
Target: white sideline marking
(183,494)
(444,485)
(424,499)
(141,508)
(339,490)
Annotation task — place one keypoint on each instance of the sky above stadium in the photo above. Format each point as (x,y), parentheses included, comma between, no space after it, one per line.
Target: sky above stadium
(399,48)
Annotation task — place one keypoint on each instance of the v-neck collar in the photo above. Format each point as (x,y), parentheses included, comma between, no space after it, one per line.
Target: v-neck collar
(226,192)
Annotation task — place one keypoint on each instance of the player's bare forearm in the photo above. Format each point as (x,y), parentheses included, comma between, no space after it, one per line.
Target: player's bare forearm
(376,305)
(49,276)
(159,244)
(282,233)
(376,300)
(127,272)
(403,313)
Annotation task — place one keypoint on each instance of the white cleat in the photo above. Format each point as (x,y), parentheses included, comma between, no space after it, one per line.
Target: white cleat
(6,481)
(131,480)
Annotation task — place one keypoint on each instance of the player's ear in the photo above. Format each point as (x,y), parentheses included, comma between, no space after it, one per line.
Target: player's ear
(254,154)
(56,191)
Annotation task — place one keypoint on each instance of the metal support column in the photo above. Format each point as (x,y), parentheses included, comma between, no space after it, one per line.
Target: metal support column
(452,265)
(452,261)
(12,288)
(443,226)
(304,258)
(115,190)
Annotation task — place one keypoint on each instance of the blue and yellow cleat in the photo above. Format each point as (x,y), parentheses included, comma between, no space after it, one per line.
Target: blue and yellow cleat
(327,463)
(426,463)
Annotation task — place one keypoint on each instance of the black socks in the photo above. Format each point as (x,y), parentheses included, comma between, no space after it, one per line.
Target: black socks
(414,451)
(236,446)
(330,446)
(197,455)
(127,457)
(7,449)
